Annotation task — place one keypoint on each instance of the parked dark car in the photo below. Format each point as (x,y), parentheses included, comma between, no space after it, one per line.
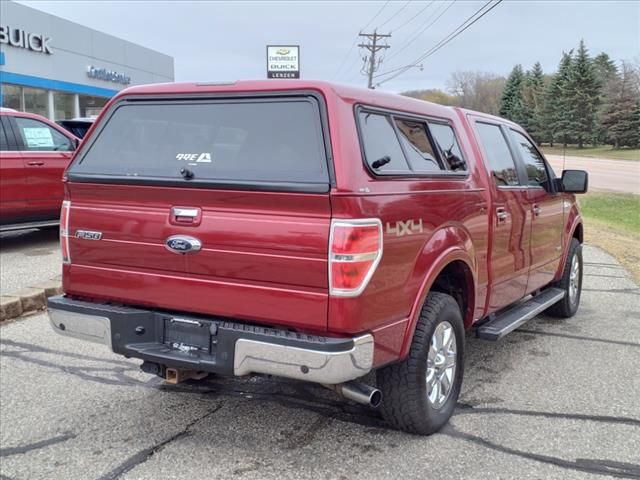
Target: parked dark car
(312,231)
(77,126)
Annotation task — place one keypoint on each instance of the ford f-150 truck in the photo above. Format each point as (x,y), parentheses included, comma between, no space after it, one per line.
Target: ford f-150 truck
(312,231)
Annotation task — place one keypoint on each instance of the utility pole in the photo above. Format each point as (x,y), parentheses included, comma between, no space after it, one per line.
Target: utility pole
(371,65)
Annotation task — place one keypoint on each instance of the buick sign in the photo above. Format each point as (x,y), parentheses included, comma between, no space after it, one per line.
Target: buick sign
(17,37)
(182,244)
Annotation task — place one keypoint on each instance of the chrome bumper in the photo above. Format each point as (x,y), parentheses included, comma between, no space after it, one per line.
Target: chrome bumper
(330,365)
(91,328)
(310,365)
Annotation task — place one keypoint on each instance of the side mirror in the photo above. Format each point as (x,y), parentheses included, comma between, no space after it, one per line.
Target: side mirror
(76,143)
(574,181)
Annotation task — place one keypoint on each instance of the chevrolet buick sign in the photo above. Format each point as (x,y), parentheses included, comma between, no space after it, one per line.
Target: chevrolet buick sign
(108,75)
(17,37)
(283,61)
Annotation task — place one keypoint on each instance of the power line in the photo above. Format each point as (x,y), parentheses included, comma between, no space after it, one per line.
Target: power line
(394,15)
(461,28)
(413,38)
(415,16)
(374,17)
(355,40)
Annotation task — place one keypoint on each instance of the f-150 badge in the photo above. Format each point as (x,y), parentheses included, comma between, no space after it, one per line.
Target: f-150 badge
(408,227)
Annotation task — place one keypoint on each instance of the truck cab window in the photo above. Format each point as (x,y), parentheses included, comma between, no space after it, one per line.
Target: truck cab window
(533,161)
(499,158)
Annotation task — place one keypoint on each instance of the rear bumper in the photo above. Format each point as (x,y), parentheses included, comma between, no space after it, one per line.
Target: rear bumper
(213,344)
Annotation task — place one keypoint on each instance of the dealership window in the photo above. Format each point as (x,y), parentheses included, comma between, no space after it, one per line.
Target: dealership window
(35,101)
(63,104)
(91,106)
(12,97)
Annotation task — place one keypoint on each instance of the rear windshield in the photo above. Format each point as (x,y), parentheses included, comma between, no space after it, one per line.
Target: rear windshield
(230,141)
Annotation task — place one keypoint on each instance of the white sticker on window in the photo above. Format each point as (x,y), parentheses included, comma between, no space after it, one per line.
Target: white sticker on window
(38,137)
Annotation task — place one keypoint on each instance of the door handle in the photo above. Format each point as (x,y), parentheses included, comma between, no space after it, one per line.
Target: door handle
(501,214)
(537,210)
(36,163)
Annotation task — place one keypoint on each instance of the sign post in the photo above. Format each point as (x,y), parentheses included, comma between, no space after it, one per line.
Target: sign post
(283,61)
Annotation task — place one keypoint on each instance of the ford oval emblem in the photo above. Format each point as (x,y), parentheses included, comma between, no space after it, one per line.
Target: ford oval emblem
(182,244)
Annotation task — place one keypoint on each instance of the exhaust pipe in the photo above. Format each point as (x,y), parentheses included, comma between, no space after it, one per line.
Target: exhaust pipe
(358,392)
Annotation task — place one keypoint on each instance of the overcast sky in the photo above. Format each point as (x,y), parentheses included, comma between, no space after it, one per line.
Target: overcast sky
(226,40)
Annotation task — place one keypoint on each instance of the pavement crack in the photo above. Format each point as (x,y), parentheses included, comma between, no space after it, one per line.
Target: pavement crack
(144,455)
(596,467)
(579,337)
(5,452)
(465,409)
(630,291)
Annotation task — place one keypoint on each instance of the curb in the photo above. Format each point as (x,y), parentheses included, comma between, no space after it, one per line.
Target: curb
(28,299)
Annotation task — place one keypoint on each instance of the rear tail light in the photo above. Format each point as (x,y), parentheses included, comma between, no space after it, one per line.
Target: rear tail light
(64,231)
(355,249)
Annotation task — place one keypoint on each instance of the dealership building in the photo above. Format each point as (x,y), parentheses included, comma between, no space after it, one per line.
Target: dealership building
(60,69)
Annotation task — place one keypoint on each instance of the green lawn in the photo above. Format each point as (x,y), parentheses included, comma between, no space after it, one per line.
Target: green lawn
(604,151)
(618,210)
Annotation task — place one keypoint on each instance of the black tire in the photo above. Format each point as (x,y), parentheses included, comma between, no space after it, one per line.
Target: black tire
(404,385)
(568,306)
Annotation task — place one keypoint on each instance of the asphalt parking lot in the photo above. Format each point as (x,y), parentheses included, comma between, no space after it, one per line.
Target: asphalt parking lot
(554,400)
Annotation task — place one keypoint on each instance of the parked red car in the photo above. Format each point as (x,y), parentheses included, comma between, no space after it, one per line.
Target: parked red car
(312,231)
(33,155)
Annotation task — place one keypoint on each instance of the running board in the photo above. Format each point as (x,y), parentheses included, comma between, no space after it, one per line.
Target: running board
(27,225)
(517,315)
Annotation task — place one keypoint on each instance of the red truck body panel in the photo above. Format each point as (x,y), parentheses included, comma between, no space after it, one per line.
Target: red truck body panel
(265,254)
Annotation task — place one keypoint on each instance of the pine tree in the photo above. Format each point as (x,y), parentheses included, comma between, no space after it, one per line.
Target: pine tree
(583,93)
(511,103)
(605,69)
(532,95)
(554,118)
(606,73)
(621,117)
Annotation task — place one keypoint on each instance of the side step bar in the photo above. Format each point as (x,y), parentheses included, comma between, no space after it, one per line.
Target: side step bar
(27,225)
(507,321)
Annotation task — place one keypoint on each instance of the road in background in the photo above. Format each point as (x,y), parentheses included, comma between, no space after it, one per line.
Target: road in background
(557,399)
(27,258)
(622,176)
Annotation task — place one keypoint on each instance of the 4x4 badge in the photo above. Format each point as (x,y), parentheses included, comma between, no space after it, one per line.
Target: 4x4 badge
(407,227)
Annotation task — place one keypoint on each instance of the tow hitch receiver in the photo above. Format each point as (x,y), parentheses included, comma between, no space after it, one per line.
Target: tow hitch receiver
(174,376)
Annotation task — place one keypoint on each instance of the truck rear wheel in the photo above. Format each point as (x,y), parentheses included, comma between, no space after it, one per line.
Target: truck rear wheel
(571,283)
(420,393)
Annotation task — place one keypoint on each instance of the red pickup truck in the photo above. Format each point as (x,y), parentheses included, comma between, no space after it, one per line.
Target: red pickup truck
(34,153)
(312,231)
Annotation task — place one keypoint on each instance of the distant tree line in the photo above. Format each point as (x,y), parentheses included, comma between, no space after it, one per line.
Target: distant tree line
(587,101)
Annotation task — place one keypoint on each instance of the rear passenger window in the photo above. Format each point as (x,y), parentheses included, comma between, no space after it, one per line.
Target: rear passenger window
(444,135)
(533,161)
(417,147)
(498,154)
(381,147)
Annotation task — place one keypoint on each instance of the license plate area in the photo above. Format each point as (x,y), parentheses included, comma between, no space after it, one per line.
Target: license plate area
(187,335)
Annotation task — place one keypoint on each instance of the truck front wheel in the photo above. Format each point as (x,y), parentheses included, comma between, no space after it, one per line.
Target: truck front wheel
(571,283)
(420,393)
